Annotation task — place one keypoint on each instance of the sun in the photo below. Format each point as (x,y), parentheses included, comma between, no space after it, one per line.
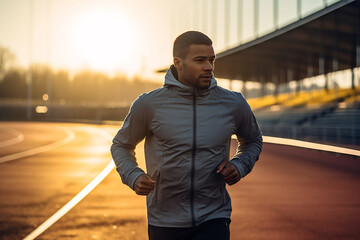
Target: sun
(106,39)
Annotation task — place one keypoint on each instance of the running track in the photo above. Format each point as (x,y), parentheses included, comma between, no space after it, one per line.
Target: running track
(292,193)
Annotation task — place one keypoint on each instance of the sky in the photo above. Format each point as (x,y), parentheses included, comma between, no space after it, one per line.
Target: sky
(131,37)
(103,35)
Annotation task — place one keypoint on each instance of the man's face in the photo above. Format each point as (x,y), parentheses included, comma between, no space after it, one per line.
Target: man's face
(197,67)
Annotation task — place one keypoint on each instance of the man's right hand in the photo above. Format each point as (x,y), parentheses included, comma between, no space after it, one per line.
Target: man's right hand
(144,184)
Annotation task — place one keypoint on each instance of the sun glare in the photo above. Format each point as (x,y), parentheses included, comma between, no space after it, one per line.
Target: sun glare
(105,40)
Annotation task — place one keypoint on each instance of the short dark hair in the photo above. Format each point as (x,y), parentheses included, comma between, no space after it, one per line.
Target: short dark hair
(184,40)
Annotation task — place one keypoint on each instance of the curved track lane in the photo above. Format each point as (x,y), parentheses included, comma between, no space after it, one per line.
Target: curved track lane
(292,193)
(296,193)
(34,186)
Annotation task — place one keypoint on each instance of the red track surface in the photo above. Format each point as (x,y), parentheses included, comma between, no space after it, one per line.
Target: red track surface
(292,193)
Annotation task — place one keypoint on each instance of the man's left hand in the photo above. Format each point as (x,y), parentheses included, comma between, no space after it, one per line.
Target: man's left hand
(229,171)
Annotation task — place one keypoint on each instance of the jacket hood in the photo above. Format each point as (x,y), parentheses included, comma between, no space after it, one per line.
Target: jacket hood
(171,80)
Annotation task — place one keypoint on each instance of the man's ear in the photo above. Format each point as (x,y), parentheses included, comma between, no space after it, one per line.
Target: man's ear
(178,63)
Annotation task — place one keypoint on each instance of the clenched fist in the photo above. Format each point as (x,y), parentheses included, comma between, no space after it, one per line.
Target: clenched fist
(144,184)
(229,171)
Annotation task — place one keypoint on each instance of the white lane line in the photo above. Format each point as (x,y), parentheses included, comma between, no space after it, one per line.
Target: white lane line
(309,145)
(68,206)
(19,137)
(38,150)
(83,193)
(75,200)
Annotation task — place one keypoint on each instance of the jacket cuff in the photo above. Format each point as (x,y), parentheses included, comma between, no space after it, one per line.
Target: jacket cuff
(238,164)
(133,176)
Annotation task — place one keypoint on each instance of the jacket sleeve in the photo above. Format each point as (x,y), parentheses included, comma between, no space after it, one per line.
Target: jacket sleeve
(249,138)
(130,134)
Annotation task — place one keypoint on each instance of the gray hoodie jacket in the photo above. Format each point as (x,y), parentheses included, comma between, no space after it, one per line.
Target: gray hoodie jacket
(187,135)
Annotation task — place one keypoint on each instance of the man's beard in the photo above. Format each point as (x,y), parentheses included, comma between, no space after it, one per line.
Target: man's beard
(199,86)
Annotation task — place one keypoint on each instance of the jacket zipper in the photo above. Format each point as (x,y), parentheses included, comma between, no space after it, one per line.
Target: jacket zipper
(192,189)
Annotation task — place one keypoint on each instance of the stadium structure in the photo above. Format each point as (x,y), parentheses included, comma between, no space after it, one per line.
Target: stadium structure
(287,62)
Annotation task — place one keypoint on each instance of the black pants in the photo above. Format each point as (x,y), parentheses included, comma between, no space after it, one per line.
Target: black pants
(215,229)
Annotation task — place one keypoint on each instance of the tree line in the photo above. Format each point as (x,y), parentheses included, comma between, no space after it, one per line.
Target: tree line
(83,88)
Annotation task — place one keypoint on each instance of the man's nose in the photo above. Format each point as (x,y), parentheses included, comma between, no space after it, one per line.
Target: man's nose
(208,66)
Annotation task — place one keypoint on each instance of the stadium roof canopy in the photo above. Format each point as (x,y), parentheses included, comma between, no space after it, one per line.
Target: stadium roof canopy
(323,42)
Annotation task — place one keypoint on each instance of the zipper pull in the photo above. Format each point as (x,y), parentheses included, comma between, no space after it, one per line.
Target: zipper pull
(195,92)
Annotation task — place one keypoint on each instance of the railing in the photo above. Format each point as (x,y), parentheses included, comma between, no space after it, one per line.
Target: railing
(336,134)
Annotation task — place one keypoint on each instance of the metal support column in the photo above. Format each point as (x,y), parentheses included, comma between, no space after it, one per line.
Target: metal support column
(322,71)
(335,68)
(256,18)
(335,62)
(289,77)
(275,80)
(298,86)
(240,20)
(298,8)
(310,73)
(29,74)
(325,3)
(354,64)
(276,14)
(49,74)
(214,20)
(197,15)
(263,86)
(227,24)
(357,48)
(244,89)
(203,20)
(352,78)
(357,59)
(310,70)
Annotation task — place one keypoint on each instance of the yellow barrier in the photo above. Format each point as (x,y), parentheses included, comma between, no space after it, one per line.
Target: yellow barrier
(306,98)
